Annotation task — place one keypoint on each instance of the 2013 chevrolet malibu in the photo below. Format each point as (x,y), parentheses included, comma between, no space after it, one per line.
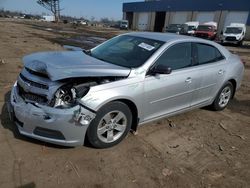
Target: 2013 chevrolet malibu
(103,93)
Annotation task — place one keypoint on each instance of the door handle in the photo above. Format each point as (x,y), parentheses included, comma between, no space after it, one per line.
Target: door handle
(221,72)
(188,80)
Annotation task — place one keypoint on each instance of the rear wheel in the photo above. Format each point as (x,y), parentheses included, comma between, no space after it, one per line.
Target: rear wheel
(222,99)
(111,125)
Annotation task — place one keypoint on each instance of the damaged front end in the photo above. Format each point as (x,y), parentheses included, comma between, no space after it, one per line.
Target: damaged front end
(62,126)
(47,106)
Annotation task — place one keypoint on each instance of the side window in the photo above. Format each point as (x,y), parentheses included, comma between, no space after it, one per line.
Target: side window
(207,54)
(177,56)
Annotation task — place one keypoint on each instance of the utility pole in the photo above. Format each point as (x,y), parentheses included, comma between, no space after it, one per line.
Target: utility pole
(53,6)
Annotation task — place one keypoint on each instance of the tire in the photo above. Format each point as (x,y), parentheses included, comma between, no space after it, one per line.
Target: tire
(223,97)
(110,126)
(240,43)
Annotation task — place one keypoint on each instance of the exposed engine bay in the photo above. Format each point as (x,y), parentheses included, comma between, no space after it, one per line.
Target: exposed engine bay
(59,94)
(67,95)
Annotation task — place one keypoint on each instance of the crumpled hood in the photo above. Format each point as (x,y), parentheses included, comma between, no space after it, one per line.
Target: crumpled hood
(71,64)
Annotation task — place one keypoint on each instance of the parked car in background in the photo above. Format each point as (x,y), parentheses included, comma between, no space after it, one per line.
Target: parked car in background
(124,24)
(177,29)
(184,29)
(82,22)
(192,27)
(207,30)
(234,34)
(48,18)
(174,28)
(132,79)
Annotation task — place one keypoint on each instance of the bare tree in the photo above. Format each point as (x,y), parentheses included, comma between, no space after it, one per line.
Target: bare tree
(53,6)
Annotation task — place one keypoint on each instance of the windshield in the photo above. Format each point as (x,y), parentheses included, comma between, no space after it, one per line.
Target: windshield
(124,23)
(174,27)
(127,51)
(233,30)
(184,28)
(191,27)
(205,28)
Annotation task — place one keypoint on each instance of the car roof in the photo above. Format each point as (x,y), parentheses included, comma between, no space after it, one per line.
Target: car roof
(169,37)
(165,37)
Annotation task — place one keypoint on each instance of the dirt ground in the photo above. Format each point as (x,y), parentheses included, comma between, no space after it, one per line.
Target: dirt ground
(201,148)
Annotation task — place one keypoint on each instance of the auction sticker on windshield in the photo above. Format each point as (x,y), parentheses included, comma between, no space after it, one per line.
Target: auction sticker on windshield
(146,46)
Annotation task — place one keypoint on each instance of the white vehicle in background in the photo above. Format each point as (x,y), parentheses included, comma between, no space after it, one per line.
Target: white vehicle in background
(234,34)
(192,26)
(48,18)
(123,24)
(82,22)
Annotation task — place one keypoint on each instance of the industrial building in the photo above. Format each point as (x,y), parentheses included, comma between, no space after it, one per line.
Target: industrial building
(154,15)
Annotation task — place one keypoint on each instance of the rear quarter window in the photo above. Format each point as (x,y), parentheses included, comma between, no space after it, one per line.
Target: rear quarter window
(207,54)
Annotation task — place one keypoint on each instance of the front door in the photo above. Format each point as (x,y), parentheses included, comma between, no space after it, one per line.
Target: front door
(165,94)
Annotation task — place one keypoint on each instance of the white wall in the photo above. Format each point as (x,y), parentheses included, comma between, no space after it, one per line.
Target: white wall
(236,17)
(179,17)
(205,17)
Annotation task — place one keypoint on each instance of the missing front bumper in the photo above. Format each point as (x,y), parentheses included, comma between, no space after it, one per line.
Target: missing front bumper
(65,127)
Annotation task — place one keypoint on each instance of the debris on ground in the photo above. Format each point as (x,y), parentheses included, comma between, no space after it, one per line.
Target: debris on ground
(175,146)
(74,167)
(223,126)
(240,136)
(166,172)
(182,170)
(171,124)
(220,148)
(230,133)
(2,61)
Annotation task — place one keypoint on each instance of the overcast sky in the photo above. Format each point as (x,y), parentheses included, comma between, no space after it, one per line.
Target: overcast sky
(79,8)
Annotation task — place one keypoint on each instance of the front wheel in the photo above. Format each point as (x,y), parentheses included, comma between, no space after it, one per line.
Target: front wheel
(112,123)
(240,43)
(223,97)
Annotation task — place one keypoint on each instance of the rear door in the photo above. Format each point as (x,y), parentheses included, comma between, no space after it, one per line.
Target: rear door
(209,72)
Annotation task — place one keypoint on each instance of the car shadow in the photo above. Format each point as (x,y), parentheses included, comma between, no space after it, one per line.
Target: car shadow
(11,126)
(240,106)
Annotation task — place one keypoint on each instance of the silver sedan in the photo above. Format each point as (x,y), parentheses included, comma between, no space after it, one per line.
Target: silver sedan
(101,94)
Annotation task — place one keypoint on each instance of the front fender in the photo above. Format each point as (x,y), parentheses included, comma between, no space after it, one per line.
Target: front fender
(96,97)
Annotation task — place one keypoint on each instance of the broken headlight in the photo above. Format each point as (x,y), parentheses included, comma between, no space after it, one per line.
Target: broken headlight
(66,96)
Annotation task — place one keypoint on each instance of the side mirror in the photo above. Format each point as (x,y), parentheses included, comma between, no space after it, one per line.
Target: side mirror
(160,69)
